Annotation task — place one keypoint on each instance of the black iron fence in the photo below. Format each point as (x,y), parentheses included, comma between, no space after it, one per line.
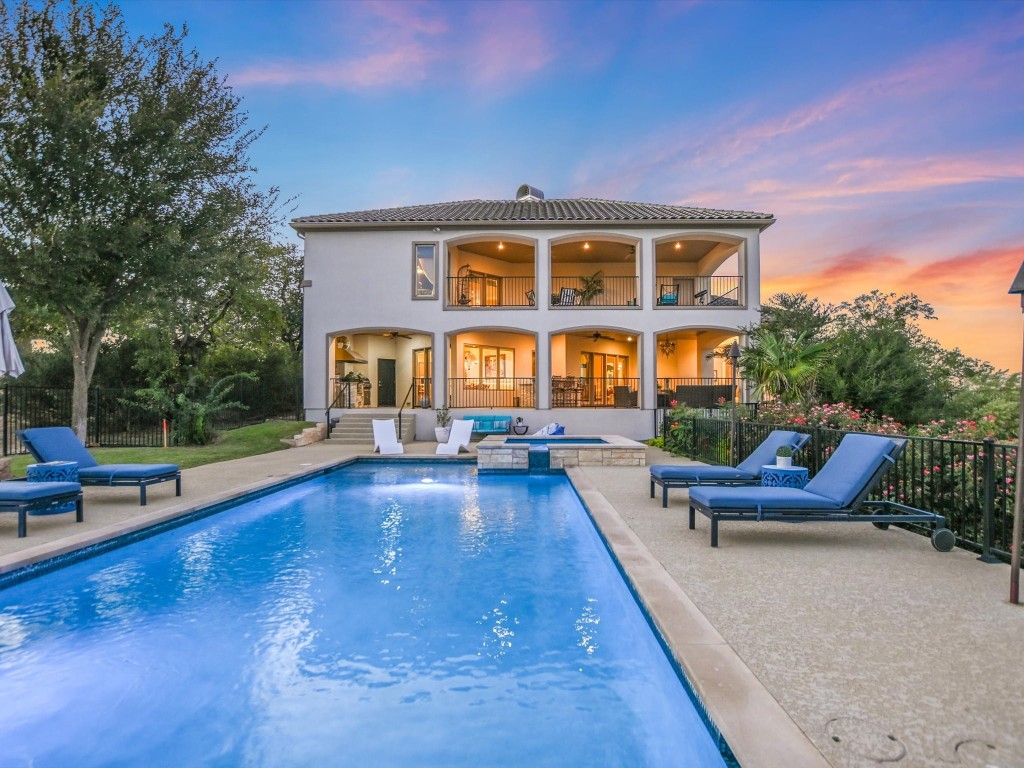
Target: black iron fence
(117,419)
(970,482)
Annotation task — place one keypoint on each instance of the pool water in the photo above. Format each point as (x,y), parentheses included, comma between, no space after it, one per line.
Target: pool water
(384,615)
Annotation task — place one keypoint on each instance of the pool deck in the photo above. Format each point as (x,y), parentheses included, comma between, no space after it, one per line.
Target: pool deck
(812,644)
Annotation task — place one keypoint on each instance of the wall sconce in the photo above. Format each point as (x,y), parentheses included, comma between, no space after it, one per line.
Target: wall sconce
(667,347)
(307,283)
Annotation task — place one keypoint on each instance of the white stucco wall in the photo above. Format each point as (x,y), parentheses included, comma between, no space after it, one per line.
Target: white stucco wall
(364,280)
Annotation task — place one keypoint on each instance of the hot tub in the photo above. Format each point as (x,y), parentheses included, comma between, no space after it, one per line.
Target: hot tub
(501,453)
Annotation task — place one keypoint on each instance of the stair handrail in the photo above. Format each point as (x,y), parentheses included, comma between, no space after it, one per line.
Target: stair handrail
(346,388)
(404,401)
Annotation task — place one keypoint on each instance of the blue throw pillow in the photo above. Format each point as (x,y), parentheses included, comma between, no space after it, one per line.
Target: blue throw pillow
(559,430)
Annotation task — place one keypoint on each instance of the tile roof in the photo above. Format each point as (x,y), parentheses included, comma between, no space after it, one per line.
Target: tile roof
(568,210)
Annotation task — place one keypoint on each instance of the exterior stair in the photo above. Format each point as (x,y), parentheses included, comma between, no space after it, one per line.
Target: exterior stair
(355,427)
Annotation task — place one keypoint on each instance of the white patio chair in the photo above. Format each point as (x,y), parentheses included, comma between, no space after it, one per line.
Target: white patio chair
(458,438)
(385,439)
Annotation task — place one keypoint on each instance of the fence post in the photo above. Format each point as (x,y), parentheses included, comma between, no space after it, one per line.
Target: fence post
(7,411)
(819,449)
(988,509)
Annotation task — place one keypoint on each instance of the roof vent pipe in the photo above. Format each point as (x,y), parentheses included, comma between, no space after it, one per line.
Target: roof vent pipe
(526,193)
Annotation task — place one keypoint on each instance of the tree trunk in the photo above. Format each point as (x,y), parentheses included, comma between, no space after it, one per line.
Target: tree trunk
(85,346)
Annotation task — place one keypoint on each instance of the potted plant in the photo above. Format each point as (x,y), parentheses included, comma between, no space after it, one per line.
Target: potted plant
(784,456)
(591,287)
(443,428)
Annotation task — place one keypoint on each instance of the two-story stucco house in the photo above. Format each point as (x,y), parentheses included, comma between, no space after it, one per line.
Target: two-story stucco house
(592,313)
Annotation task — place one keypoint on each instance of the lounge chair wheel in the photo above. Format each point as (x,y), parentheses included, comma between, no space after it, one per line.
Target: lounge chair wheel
(881,526)
(943,539)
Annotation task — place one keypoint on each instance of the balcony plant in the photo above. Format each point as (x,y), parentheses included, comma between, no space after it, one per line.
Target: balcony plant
(591,287)
(443,428)
(784,456)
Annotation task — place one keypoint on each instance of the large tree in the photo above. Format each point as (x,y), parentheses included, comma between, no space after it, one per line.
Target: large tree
(124,175)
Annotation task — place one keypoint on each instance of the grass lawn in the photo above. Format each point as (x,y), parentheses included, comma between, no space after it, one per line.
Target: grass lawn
(231,444)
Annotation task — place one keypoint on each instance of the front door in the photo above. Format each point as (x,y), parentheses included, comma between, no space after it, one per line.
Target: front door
(386,383)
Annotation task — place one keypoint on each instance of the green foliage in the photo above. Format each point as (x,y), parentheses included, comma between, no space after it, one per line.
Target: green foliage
(782,367)
(655,442)
(591,287)
(679,438)
(191,409)
(784,451)
(125,197)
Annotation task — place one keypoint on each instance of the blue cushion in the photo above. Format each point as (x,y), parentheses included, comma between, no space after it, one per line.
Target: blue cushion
(126,471)
(765,452)
(698,473)
(848,470)
(57,444)
(754,497)
(21,492)
(559,430)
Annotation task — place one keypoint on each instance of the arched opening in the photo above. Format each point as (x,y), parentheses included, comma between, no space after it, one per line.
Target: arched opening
(492,368)
(595,368)
(699,270)
(381,368)
(491,271)
(691,367)
(597,270)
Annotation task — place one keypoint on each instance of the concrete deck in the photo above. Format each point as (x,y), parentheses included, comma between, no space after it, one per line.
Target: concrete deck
(811,644)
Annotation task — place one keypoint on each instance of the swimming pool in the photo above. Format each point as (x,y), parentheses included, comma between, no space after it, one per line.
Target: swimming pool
(384,614)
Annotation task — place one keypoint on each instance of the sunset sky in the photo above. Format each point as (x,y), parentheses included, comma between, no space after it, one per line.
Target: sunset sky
(887,138)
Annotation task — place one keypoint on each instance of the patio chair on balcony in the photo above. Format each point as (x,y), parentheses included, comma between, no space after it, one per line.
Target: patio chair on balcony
(567,297)
(531,297)
(747,472)
(61,444)
(838,493)
(669,296)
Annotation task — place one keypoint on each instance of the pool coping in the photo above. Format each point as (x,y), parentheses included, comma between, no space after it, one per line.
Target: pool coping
(751,721)
(760,733)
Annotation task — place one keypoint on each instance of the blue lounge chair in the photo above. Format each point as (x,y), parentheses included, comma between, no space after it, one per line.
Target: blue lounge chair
(39,499)
(747,472)
(838,493)
(61,444)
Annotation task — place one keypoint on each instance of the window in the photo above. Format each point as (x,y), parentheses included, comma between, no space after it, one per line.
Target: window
(424,271)
(490,367)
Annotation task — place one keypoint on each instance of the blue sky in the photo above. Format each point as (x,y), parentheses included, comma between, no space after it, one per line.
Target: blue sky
(887,138)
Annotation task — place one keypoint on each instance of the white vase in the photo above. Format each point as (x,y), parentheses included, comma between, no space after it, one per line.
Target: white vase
(783,461)
(441,433)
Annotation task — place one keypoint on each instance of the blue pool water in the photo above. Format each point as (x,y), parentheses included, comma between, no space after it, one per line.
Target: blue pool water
(556,440)
(381,615)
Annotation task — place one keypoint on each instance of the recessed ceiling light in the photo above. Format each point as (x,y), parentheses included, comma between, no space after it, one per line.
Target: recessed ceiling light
(679,246)
(501,246)
(586,246)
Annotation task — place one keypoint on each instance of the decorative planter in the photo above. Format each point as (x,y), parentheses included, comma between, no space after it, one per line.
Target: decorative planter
(783,461)
(441,433)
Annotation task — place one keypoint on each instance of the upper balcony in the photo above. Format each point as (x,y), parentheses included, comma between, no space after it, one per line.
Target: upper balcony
(491,271)
(699,271)
(594,271)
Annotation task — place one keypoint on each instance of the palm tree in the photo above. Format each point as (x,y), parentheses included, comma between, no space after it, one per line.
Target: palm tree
(781,367)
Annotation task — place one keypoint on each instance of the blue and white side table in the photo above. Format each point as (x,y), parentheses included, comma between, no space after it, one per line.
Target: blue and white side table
(53,472)
(773,476)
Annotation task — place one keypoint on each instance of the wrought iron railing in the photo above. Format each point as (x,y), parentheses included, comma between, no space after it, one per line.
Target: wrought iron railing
(970,482)
(582,392)
(117,418)
(475,291)
(615,291)
(505,392)
(695,291)
(697,392)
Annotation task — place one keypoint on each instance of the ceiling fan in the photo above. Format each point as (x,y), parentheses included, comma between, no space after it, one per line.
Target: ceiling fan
(395,335)
(597,336)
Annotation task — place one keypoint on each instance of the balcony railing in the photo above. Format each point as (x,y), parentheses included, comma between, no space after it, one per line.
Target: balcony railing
(696,392)
(474,291)
(615,291)
(491,393)
(690,291)
(580,392)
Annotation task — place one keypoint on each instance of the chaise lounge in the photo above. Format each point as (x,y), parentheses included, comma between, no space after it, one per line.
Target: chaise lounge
(838,493)
(40,499)
(747,472)
(60,444)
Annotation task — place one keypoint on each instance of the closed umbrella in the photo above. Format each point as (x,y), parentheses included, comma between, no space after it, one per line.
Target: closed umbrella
(10,361)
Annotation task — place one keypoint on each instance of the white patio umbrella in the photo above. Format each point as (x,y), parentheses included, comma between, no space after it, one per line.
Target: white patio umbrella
(10,360)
